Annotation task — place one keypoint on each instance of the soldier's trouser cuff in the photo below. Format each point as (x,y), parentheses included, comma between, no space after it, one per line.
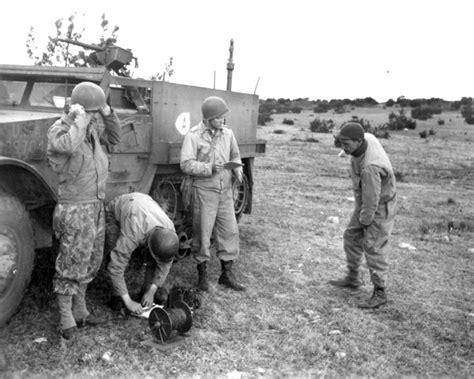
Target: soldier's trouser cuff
(66,319)
(79,307)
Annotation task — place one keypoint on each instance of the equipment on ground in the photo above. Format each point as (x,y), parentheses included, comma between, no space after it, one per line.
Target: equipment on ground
(166,322)
(190,296)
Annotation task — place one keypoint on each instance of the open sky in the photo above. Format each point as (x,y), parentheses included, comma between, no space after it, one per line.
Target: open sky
(291,49)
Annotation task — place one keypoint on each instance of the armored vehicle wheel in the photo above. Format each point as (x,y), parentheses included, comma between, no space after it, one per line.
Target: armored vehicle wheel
(241,192)
(185,236)
(166,195)
(16,254)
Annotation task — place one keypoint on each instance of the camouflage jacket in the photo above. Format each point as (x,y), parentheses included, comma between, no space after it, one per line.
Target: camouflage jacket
(76,155)
(201,148)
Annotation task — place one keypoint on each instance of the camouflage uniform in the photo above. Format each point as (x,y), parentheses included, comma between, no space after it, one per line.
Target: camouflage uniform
(80,228)
(76,155)
(213,203)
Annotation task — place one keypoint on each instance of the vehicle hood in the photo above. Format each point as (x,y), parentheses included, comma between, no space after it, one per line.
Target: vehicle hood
(9,115)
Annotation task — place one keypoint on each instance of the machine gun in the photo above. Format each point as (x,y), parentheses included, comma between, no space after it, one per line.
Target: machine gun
(113,57)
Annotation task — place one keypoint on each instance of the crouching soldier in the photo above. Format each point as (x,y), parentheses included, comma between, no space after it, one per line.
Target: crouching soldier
(371,223)
(75,154)
(142,223)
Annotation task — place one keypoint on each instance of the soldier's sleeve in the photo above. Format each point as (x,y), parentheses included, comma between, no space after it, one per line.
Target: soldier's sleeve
(189,163)
(65,135)
(234,150)
(119,258)
(161,273)
(112,132)
(371,183)
(235,154)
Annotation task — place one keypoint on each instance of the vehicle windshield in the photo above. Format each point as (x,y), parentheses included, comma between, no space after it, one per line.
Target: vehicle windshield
(39,94)
(11,92)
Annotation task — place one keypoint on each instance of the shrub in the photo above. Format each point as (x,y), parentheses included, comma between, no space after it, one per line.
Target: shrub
(340,109)
(263,118)
(288,122)
(321,126)
(279,131)
(321,107)
(296,109)
(424,111)
(380,131)
(400,121)
(440,121)
(468,114)
(390,103)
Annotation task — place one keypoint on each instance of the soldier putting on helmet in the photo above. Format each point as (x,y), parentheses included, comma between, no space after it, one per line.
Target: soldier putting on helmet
(207,148)
(371,223)
(142,223)
(75,154)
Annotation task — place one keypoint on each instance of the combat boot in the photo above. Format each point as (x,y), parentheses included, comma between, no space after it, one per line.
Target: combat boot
(350,281)
(378,298)
(203,284)
(69,333)
(227,277)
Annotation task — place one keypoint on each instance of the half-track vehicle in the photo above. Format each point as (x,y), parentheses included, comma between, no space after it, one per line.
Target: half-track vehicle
(154,115)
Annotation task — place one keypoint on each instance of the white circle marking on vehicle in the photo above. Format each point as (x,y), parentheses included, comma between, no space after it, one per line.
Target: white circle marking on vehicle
(183,123)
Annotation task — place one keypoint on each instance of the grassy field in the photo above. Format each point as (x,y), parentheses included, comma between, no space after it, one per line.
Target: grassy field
(290,322)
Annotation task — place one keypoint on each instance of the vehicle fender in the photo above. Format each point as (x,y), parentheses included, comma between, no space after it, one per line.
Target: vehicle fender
(28,185)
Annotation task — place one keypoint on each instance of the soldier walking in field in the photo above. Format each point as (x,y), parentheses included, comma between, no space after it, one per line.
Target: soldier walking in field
(140,221)
(210,155)
(75,154)
(372,221)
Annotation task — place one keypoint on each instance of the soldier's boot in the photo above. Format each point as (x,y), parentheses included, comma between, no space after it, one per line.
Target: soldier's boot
(227,277)
(66,319)
(203,284)
(351,281)
(82,316)
(379,297)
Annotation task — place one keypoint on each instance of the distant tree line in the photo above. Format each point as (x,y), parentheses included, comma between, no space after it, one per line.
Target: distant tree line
(421,109)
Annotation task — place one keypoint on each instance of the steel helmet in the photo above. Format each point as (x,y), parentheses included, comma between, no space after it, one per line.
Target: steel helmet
(213,107)
(163,244)
(89,95)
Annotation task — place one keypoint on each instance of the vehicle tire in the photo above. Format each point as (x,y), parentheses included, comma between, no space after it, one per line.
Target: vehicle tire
(241,193)
(16,254)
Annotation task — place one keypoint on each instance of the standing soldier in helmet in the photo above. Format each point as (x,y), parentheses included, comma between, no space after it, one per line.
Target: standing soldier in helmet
(205,155)
(371,223)
(75,154)
(142,222)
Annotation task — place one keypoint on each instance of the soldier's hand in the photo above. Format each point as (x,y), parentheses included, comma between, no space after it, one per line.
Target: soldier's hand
(105,110)
(81,117)
(134,307)
(147,299)
(238,176)
(216,167)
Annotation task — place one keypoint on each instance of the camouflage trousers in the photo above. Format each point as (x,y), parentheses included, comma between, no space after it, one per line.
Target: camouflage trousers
(80,230)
